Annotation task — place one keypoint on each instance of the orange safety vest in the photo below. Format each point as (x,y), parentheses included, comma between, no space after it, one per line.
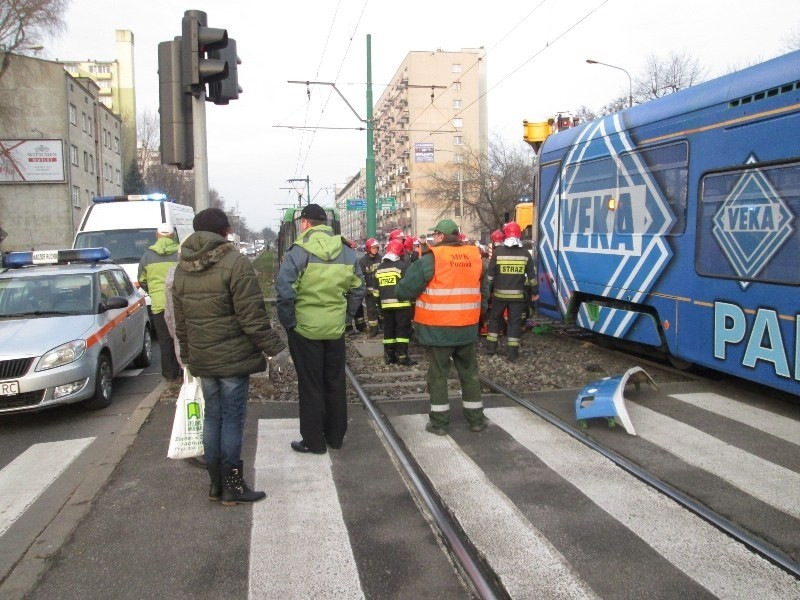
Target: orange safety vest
(453,296)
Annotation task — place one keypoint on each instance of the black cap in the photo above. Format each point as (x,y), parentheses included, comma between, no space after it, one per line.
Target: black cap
(314,212)
(211,219)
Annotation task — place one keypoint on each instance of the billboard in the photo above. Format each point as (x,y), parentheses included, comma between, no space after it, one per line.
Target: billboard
(31,161)
(423,152)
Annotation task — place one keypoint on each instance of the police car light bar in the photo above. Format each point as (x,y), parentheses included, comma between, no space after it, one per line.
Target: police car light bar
(53,257)
(156,197)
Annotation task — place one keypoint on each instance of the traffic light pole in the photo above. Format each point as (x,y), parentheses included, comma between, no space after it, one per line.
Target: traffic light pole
(200,151)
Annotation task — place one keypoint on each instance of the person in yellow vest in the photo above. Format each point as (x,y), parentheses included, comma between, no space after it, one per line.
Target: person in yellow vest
(451,291)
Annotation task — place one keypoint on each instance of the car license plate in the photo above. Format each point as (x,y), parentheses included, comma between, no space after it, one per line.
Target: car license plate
(9,388)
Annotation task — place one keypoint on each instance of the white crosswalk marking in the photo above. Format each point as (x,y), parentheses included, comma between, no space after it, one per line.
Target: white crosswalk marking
(299,547)
(780,427)
(710,558)
(30,474)
(771,483)
(528,565)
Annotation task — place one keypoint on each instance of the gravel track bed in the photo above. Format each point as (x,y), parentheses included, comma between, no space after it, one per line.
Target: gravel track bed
(551,361)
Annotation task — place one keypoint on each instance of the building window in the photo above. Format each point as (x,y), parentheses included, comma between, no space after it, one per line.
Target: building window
(458,158)
(76,196)
(456,103)
(458,122)
(85,161)
(458,140)
(88,197)
(73,114)
(91,164)
(89,119)
(456,86)
(116,145)
(119,178)
(73,155)
(456,68)
(83,120)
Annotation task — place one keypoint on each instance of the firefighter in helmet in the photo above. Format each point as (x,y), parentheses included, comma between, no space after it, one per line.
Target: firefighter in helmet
(396,313)
(369,264)
(512,276)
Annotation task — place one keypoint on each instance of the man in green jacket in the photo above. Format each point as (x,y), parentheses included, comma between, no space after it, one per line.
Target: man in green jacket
(154,265)
(318,287)
(223,330)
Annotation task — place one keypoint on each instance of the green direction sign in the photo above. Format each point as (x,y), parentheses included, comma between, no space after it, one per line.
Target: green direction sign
(386,203)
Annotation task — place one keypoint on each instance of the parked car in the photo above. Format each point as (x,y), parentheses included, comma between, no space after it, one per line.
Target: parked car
(70,321)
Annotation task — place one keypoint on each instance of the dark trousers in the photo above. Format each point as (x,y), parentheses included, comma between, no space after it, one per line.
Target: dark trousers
(321,385)
(516,313)
(373,310)
(169,362)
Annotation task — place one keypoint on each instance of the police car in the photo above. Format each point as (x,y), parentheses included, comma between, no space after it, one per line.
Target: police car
(70,321)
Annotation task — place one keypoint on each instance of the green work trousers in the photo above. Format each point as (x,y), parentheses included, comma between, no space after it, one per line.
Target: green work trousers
(465,360)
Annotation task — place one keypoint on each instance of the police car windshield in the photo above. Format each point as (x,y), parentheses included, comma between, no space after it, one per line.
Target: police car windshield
(125,245)
(62,294)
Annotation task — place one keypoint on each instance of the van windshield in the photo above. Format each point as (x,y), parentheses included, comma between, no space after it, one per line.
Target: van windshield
(125,245)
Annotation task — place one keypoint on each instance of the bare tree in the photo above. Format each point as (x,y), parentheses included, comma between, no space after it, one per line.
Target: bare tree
(665,76)
(25,23)
(491,183)
(792,41)
(148,133)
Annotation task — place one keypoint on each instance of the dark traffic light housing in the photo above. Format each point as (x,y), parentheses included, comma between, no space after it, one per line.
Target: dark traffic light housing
(175,108)
(197,40)
(227,88)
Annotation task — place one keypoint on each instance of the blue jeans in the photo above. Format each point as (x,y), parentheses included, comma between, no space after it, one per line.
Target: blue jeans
(225,412)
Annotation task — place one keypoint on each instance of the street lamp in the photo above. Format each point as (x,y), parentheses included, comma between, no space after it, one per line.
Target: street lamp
(630,81)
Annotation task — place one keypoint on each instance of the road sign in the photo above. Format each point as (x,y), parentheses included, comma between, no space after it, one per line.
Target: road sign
(386,203)
(356,204)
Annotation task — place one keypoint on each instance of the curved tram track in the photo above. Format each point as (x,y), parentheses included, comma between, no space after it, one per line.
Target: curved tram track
(485,582)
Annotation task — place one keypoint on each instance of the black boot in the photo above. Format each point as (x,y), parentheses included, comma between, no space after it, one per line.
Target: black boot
(234,488)
(513,353)
(215,474)
(389,356)
(491,347)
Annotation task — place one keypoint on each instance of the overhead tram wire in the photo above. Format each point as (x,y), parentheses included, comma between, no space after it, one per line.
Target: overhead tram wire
(488,50)
(529,59)
(297,165)
(338,72)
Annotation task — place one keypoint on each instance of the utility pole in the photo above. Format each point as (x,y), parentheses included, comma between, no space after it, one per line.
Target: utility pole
(308,187)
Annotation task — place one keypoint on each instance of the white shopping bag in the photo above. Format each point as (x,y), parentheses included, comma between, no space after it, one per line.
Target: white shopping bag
(187,429)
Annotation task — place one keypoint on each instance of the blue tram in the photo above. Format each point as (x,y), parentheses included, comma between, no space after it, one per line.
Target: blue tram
(674,224)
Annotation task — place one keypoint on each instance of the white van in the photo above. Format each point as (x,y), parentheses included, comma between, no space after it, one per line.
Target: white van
(126,225)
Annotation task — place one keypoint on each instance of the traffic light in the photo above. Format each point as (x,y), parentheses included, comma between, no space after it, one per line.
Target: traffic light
(226,89)
(175,108)
(197,40)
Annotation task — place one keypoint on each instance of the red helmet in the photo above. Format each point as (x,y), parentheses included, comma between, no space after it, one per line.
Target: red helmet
(370,243)
(511,229)
(397,233)
(395,247)
(408,244)
(498,236)
(462,237)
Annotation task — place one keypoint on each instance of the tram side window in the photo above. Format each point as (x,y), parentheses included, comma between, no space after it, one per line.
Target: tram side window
(587,188)
(748,224)
(668,166)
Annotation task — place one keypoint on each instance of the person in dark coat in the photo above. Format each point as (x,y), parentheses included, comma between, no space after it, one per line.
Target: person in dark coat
(224,332)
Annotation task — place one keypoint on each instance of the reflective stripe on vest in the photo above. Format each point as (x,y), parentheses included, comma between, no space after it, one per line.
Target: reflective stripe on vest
(453,296)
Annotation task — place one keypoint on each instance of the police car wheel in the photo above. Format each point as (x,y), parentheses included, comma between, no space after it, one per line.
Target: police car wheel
(102,385)
(146,355)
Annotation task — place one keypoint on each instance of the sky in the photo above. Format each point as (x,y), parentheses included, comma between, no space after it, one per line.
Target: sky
(536,53)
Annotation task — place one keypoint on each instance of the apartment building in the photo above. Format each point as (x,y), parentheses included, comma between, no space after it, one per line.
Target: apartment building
(60,147)
(115,79)
(432,110)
